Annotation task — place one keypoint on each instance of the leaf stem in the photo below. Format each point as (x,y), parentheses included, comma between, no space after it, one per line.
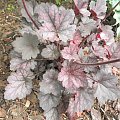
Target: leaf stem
(101,63)
(83,40)
(23,1)
(111,11)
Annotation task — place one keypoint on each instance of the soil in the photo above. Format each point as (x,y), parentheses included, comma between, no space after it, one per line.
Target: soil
(28,108)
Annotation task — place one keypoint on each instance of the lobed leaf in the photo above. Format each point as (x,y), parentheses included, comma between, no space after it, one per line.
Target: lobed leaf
(72,76)
(82,6)
(52,114)
(51,85)
(51,52)
(57,22)
(20,85)
(106,87)
(99,7)
(48,101)
(27,45)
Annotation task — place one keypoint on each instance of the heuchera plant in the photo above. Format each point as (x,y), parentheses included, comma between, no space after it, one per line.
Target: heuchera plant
(79,53)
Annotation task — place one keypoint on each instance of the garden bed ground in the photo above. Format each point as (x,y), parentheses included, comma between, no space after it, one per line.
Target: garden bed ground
(28,108)
(9,24)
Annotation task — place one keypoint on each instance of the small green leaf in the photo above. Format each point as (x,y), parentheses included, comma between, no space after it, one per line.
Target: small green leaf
(10,7)
(58,2)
